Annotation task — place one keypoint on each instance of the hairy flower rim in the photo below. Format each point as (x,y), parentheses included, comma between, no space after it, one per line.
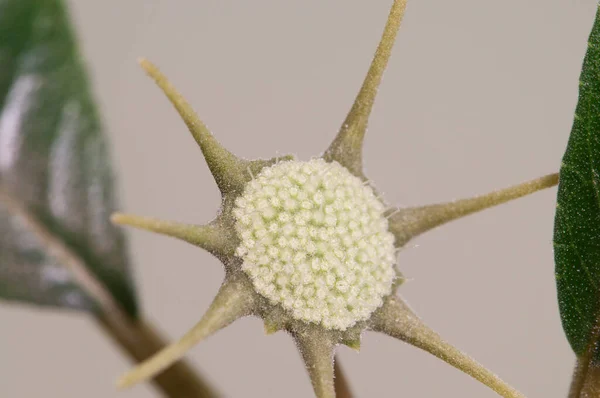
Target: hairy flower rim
(314,239)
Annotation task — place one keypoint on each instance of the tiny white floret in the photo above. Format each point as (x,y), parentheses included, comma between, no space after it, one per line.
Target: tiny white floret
(318,243)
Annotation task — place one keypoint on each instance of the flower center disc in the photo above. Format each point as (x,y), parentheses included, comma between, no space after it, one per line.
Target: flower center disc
(314,240)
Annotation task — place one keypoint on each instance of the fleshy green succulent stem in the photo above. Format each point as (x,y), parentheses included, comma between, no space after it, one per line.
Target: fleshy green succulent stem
(233,301)
(396,319)
(317,350)
(229,171)
(346,148)
(210,237)
(408,223)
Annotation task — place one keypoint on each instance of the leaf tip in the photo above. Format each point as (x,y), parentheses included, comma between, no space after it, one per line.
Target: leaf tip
(271,328)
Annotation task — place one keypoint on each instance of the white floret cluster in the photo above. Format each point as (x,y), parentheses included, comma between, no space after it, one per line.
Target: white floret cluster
(314,239)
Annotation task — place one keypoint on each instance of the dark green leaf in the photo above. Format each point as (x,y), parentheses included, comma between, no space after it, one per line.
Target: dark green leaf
(54,167)
(577,223)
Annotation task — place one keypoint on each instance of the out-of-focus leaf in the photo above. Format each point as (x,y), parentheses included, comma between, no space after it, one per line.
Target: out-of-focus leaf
(577,223)
(54,167)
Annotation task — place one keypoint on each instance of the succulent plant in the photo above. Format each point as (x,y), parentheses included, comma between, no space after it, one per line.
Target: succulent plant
(310,246)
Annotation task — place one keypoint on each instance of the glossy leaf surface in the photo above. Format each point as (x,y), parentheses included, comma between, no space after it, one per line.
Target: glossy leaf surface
(55,177)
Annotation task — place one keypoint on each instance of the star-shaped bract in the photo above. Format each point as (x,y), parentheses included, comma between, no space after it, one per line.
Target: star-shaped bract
(239,296)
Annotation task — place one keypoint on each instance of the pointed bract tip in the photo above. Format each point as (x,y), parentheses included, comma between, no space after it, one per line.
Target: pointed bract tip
(271,328)
(116,218)
(148,67)
(347,147)
(164,358)
(408,223)
(397,320)
(232,302)
(228,170)
(398,281)
(124,382)
(354,344)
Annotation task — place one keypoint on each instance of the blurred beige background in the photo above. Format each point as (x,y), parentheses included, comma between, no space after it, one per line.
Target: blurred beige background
(479,95)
